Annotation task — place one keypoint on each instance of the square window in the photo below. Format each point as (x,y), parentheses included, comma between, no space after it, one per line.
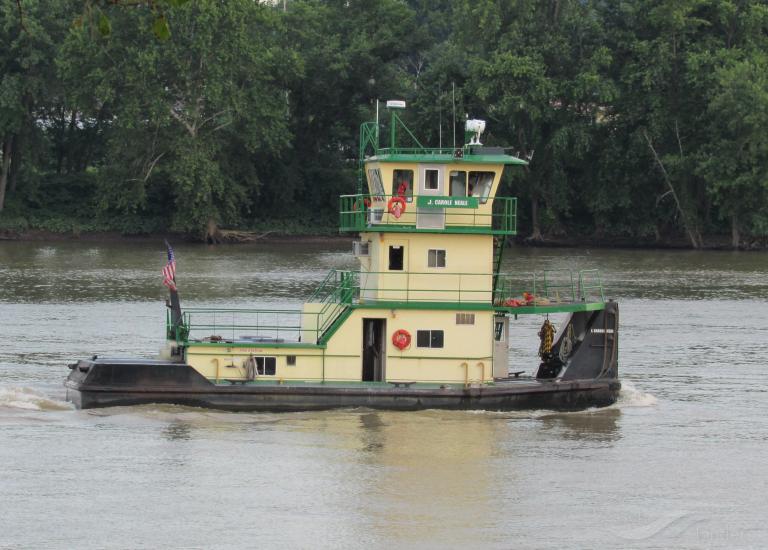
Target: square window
(435,258)
(270,366)
(396,255)
(266,366)
(429,338)
(422,338)
(290,360)
(436,341)
(431,179)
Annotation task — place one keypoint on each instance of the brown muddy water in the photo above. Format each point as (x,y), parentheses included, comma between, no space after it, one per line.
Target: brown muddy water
(678,462)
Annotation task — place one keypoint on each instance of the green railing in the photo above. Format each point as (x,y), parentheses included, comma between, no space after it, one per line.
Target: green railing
(424,151)
(365,212)
(256,326)
(270,326)
(342,290)
(551,287)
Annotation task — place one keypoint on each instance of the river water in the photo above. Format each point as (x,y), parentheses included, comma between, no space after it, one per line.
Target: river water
(678,462)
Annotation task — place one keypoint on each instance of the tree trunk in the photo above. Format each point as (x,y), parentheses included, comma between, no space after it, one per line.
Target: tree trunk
(5,167)
(15,164)
(212,233)
(735,236)
(535,228)
(693,234)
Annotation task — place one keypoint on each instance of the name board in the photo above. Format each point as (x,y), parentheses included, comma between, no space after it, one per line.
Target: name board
(446,202)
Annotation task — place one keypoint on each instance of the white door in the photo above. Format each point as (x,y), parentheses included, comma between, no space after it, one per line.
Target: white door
(431,183)
(501,346)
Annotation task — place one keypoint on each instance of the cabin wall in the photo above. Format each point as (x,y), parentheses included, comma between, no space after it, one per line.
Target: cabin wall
(219,362)
(467,349)
(467,275)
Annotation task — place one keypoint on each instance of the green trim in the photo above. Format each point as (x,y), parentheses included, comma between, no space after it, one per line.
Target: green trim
(396,304)
(447,159)
(424,357)
(552,308)
(475,230)
(294,345)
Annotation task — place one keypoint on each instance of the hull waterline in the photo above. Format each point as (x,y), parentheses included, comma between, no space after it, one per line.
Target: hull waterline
(106,383)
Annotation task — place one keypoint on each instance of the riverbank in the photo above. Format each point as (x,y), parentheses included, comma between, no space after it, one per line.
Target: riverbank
(711,242)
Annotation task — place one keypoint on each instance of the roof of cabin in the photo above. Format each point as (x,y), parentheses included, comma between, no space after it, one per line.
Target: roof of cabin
(467,155)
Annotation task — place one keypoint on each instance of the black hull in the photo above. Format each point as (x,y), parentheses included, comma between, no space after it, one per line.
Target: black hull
(107,383)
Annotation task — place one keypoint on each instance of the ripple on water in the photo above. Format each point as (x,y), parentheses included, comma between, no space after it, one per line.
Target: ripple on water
(19,397)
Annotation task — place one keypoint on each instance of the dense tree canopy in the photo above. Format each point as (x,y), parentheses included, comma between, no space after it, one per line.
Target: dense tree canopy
(646,118)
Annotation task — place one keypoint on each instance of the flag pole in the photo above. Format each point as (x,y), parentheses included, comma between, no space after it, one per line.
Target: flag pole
(174,304)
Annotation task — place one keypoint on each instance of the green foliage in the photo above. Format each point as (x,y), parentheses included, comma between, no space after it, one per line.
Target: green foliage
(645,119)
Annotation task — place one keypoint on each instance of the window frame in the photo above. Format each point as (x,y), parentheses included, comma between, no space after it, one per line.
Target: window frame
(377,184)
(451,180)
(409,179)
(482,198)
(427,178)
(402,257)
(436,252)
(262,370)
(433,336)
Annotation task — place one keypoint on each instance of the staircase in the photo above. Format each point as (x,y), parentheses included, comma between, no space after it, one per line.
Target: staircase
(336,293)
(498,254)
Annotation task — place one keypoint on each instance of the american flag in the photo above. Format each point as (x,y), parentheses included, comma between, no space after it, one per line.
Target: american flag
(169,271)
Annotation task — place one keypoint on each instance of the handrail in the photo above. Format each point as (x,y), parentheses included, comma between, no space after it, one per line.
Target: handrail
(576,286)
(342,289)
(367,211)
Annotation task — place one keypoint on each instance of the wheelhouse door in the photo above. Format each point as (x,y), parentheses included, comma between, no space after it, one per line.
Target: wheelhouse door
(431,183)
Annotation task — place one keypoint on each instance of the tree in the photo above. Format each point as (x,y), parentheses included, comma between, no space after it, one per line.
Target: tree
(188,117)
(27,82)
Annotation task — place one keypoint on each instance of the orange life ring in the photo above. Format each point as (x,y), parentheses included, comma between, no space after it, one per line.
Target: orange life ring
(401,339)
(396,206)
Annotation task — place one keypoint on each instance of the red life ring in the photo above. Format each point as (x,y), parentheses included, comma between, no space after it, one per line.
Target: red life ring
(367,202)
(396,206)
(401,339)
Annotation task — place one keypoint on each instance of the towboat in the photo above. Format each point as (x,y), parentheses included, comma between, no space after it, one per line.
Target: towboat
(423,323)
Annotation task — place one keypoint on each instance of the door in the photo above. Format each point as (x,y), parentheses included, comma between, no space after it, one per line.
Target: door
(431,183)
(501,346)
(374,349)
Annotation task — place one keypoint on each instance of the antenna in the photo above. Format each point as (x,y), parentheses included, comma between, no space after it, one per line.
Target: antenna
(440,111)
(453,85)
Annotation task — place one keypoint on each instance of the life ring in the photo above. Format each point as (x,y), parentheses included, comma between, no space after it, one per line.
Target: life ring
(367,202)
(401,339)
(396,206)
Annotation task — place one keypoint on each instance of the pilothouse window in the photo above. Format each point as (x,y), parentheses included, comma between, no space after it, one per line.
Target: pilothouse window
(458,183)
(374,177)
(480,184)
(431,179)
(402,185)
